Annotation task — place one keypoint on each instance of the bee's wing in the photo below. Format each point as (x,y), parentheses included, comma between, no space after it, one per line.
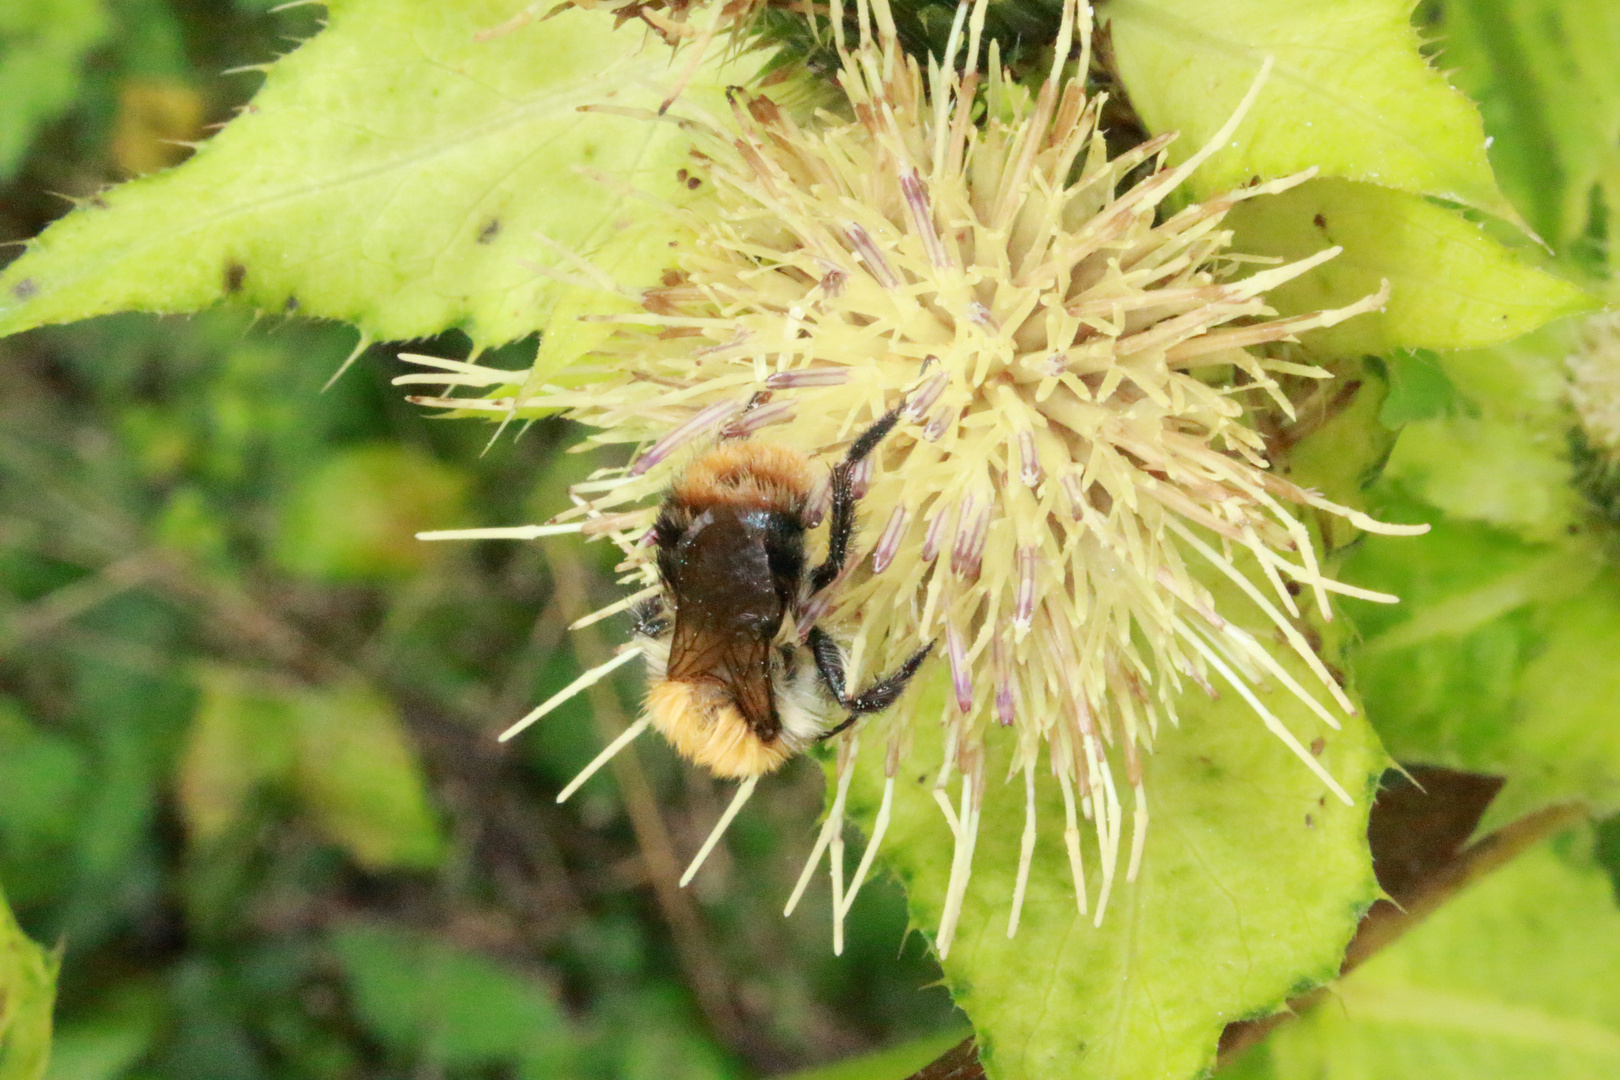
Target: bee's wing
(740,663)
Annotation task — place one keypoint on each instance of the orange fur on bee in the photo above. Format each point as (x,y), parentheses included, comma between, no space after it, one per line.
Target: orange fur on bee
(759,475)
(705,728)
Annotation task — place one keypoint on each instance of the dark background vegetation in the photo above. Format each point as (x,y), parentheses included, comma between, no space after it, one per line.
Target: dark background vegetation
(248,769)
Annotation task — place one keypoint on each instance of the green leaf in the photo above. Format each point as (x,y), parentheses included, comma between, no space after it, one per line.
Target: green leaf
(1418,390)
(448,1008)
(42,47)
(1566,737)
(1544,75)
(106,1042)
(1452,286)
(890,1063)
(1503,456)
(241,739)
(1343,442)
(1349,94)
(1499,659)
(357,515)
(340,749)
(1490,470)
(27,996)
(650,1032)
(393,173)
(358,776)
(1252,882)
(43,777)
(1513,978)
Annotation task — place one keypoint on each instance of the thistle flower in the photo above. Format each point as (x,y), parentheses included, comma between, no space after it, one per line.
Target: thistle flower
(1594,393)
(1077,368)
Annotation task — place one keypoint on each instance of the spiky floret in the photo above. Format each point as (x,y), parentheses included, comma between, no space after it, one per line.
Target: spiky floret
(1078,367)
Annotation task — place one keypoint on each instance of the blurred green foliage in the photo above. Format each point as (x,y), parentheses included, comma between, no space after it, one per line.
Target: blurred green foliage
(248,776)
(247,770)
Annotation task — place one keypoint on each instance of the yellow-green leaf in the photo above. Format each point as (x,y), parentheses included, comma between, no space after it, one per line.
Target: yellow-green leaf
(27,996)
(1500,655)
(42,47)
(1252,882)
(339,750)
(394,173)
(356,516)
(1545,77)
(1452,285)
(1512,979)
(240,740)
(358,776)
(1349,93)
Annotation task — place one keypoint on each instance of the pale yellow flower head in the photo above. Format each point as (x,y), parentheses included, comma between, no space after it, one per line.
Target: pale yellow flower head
(1078,368)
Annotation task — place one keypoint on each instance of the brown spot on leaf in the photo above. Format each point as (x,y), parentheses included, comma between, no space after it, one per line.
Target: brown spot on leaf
(490,230)
(235,275)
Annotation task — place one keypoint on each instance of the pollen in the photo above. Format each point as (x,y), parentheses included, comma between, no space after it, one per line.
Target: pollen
(1079,367)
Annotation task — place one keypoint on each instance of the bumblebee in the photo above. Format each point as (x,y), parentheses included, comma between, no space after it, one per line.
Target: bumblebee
(732,684)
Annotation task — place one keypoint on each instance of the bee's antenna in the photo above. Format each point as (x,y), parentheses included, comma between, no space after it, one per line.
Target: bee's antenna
(743,792)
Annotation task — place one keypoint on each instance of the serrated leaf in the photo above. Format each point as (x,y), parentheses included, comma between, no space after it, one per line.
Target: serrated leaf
(1452,285)
(1544,75)
(27,996)
(1513,978)
(42,46)
(358,777)
(1252,882)
(1349,94)
(1499,659)
(393,173)
(1503,456)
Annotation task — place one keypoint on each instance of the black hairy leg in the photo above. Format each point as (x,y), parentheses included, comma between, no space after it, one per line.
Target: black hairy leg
(841,520)
(651,618)
(876,697)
